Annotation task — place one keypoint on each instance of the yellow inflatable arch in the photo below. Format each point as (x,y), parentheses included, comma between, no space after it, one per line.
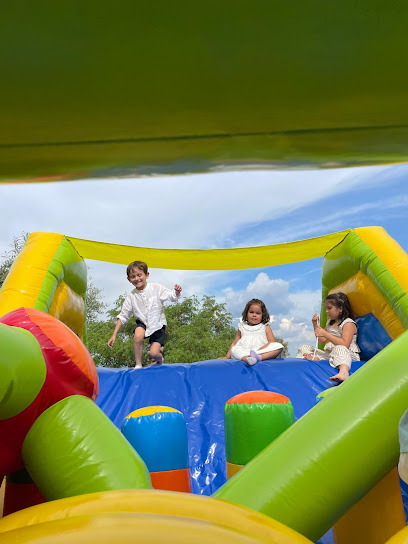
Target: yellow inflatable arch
(50,275)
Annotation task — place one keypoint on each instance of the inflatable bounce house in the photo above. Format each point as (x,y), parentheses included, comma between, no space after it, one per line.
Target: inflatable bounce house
(296,487)
(213,451)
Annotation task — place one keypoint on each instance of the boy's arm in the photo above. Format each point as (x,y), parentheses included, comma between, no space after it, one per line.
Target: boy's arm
(178,290)
(123,317)
(126,311)
(112,339)
(171,295)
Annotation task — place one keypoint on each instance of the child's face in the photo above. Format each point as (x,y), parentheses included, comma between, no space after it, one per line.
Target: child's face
(254,315)
(332,311)
(138,278)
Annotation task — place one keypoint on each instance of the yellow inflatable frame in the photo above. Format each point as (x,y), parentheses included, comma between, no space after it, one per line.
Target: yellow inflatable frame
(50,275)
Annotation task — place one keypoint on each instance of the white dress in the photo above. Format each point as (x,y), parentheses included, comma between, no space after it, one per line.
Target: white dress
(252,337)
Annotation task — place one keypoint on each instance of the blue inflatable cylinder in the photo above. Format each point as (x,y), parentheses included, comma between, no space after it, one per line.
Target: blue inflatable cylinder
(159,435)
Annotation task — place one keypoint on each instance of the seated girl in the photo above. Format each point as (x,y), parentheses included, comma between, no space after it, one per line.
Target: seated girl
(339,336)
(254,340)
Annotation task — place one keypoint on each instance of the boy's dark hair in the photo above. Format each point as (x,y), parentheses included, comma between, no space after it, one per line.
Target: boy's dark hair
(265,314)
(340,300)
(137,264)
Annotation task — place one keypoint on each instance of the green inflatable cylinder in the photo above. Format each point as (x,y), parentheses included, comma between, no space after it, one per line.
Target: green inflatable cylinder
(20,382)
(73,449)
(334,454)
(252,421)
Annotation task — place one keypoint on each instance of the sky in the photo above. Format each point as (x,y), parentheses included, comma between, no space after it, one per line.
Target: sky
(218,210)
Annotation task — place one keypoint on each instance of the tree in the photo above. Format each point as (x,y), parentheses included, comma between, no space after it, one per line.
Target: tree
(99,333)
(93,302)
(10,255)
(285,352)
(196,331)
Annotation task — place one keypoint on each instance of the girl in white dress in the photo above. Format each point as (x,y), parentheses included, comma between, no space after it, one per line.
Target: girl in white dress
(254,340)
(339,336)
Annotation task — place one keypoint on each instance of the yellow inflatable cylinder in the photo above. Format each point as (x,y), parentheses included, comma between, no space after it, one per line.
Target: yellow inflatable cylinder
(152,517)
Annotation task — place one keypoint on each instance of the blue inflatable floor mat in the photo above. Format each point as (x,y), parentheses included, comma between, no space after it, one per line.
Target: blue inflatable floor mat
(200,391)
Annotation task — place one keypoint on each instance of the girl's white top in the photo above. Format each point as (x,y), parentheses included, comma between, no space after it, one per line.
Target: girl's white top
(252,336)
(336,330)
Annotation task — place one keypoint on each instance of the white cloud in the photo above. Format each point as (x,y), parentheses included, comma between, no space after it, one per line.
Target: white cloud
(201,211)
(295,333)
(297,329)
(274,293)
(180,211)
(306,303)
(311,225)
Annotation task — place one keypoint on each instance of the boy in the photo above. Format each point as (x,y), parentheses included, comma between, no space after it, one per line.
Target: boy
(145,302)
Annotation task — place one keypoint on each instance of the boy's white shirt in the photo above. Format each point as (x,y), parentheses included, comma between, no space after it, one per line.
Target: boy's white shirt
(147,306)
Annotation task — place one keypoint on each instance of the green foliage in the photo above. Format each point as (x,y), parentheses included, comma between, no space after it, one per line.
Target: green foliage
(196,331)
(120,355)
(285,352)
(10,255)
(99,333)
(94,303)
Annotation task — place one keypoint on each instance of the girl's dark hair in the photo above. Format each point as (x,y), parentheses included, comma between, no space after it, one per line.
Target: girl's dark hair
(340,300)
(265,314)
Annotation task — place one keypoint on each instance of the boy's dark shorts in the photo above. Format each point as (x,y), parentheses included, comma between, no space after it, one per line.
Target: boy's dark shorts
(158,336)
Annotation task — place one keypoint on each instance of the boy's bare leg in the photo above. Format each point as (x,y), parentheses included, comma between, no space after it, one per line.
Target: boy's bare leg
(153,361)
(156,352)
(343,373)
(138,346)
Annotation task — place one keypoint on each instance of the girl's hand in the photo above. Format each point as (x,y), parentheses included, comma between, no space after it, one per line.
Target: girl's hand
(315,320)
(222,357)
(320,332)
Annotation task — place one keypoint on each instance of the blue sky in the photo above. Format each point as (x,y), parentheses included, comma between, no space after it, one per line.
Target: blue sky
(216,210)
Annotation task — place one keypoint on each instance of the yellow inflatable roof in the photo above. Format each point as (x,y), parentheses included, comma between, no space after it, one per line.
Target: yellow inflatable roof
(129,88)
(210,259)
